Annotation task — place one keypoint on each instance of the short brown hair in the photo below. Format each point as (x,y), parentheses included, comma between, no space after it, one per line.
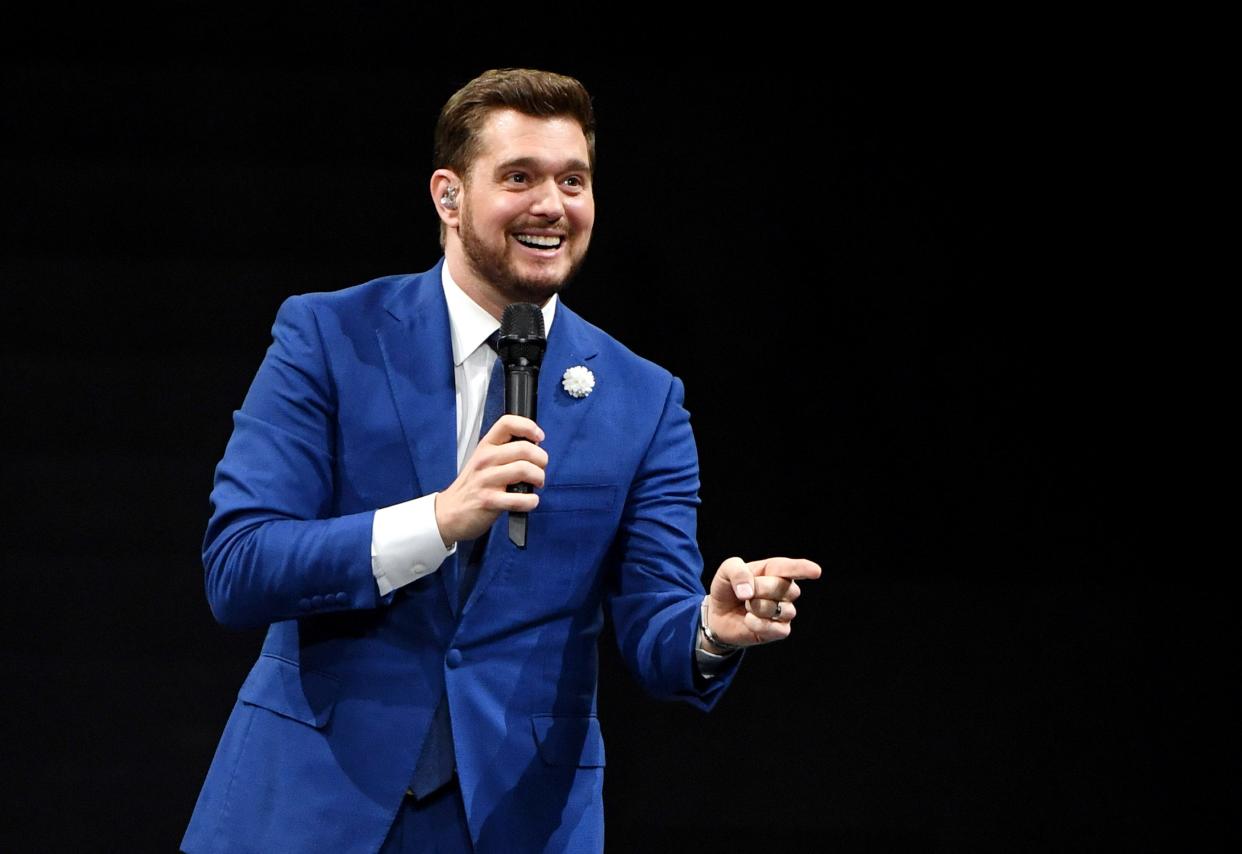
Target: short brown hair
(534,93)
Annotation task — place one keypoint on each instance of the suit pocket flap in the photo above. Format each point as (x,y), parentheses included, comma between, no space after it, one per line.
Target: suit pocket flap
(576,497)
(283,687)
(569,740)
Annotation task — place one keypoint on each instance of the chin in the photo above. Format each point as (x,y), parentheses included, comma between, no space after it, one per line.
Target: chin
(528,291)
(538,289)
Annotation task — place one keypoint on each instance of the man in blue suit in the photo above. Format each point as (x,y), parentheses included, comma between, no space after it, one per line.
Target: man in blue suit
(424,684)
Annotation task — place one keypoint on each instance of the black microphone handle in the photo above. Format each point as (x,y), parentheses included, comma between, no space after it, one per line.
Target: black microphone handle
(522,391)
(521,398)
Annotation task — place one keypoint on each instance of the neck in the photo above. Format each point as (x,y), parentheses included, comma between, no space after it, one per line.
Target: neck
(483,292)
(471,284)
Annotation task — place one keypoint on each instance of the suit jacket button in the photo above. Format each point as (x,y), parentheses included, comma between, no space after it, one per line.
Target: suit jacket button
(454,657)
(304,604)
(316,601)
(342,598)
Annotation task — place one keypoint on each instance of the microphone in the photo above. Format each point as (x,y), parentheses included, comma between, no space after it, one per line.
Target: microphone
(521,346)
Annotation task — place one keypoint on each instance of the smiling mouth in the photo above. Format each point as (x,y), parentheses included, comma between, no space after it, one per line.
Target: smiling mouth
(545,242)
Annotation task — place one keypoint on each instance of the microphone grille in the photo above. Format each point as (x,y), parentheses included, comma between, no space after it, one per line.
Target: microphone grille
(523,321)
(522,340)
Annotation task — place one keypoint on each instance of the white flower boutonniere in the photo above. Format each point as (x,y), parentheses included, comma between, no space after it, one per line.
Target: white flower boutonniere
(578,381)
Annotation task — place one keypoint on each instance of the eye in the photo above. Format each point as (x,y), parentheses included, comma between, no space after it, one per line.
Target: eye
(516,178)
(575,181)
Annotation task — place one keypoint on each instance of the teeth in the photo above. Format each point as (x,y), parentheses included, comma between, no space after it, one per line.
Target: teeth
(548,241)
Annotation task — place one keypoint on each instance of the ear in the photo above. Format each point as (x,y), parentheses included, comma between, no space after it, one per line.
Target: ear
(445,183)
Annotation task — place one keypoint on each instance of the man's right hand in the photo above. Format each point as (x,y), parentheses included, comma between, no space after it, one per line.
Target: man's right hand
(470,505)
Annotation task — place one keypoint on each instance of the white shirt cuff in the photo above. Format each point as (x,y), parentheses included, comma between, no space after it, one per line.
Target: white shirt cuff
(406,543)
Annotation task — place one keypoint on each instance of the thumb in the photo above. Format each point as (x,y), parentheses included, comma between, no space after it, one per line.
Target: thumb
(736,575)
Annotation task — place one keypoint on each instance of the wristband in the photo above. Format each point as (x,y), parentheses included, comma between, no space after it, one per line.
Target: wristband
(724,646)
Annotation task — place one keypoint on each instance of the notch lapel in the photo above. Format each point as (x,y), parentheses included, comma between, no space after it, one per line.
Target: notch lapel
(562,418)
(418,356)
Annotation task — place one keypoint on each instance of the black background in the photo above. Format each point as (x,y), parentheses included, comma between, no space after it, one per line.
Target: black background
(905,358)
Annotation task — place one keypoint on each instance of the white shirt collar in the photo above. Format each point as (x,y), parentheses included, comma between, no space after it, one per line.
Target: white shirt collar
(469,323)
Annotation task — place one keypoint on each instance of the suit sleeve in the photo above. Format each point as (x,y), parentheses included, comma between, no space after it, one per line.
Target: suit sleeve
(654,596)
(273,551)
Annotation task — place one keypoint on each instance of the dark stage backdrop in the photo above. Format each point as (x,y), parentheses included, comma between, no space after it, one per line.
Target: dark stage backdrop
(899,358)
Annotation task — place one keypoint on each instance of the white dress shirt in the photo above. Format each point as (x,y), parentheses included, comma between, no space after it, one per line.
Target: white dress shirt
(405,539)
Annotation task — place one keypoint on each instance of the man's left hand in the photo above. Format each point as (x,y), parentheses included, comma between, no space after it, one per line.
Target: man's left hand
(752,603)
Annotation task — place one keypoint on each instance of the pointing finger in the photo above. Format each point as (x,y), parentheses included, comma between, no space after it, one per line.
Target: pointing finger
(784,567)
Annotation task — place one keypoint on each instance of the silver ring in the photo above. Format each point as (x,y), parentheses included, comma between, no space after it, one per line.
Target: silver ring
(777,614)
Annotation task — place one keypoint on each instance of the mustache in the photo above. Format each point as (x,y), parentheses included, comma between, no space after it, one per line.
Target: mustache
(561,224)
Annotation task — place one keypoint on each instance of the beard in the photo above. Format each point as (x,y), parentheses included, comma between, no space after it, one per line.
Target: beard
(502,273)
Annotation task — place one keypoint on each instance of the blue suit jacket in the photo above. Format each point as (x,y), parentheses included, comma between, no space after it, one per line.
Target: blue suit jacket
(353,409)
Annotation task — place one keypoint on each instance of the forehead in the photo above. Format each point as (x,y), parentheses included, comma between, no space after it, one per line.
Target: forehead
(552,141)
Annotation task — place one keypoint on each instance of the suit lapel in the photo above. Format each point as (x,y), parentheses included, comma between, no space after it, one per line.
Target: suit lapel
(561,415)
(418,356)
(562,418)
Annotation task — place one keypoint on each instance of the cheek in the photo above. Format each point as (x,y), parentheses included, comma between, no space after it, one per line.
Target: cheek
(582,216)
(496,217)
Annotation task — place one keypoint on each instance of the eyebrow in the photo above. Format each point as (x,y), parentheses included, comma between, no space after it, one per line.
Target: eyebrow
(574,165)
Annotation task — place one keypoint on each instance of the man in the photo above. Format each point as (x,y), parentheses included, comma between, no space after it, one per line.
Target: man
(426,685)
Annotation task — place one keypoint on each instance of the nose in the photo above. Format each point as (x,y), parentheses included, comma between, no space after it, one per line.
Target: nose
(546,201)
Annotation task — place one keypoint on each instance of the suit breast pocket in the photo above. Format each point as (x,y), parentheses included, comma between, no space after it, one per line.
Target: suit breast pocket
(581,498)
(568,534)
